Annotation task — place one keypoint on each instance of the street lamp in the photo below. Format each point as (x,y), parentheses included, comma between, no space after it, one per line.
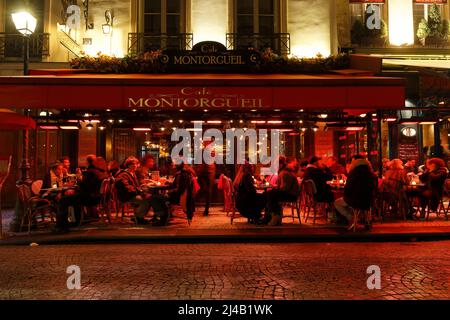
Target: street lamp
(25,23)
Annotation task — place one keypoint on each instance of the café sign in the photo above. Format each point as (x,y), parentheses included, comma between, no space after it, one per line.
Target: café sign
(208,56)
(191,97)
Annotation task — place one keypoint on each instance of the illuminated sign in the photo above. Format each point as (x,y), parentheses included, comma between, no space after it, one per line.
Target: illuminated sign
(197,98)
(208,55)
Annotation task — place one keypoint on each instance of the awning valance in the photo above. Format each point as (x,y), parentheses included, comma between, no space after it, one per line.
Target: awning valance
(202,91)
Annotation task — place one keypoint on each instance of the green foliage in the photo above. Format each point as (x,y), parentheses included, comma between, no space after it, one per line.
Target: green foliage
(423,30)
(434,21)
(269,62)
(361,34)
(358,31)
(435,29)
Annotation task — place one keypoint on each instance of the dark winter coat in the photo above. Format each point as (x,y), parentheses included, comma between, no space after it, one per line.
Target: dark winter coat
(361,186)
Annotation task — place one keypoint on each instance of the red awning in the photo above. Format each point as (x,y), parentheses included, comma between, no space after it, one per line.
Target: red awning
(10,120)
(203,91)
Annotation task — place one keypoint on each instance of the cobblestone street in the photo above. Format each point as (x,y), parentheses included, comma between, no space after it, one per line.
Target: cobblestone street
(228,271)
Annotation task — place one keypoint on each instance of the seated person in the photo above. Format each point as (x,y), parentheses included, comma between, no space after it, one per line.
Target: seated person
(91,182)
(335,167)
(129,191)
(393,185)
(411,167)
(287,189)
(434,177)
(248,202)
(63,200)
(113,168)
(143,173)
(319,173)
(359,190)
(183,192)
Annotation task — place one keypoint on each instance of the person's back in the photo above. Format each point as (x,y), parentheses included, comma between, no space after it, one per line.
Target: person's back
(288,182)
(320,178)
(126,186)
(361,185)
(394,180)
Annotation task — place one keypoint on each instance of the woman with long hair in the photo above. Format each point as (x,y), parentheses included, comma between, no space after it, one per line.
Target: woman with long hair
(248,202)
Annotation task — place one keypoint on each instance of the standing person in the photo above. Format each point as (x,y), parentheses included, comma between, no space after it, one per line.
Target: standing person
(183,192)
(359,190)
(143,173)
(206,176)
(287,189)
(320,174)
(248,202)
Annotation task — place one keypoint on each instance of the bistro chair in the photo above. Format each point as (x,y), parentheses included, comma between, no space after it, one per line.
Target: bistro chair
(309,202)
(357,215)
(293,205)
(33,206)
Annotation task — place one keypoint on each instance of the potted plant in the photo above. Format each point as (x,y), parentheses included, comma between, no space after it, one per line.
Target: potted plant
(423,31)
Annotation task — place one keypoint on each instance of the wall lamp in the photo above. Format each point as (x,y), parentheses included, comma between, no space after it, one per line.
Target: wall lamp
(107,27)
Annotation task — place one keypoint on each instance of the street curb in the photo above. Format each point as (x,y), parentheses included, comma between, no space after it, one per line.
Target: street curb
(214,239)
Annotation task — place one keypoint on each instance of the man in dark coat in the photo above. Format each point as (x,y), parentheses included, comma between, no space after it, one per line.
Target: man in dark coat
(91,183)
(359,190)
(320,174)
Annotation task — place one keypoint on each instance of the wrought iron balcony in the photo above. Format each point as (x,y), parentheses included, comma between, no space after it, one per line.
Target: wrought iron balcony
(145,42)
(11,46)
(278,42)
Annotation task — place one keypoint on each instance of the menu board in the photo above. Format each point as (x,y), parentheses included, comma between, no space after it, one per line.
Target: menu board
(408,145)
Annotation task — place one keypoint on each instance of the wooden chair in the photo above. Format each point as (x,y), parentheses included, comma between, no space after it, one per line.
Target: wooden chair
(293,205)
(357,214)
(310,203)
(32,206)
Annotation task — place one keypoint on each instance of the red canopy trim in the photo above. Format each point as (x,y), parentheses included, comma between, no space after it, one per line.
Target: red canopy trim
(10,120)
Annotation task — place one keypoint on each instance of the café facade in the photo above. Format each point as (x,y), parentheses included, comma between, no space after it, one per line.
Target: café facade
(207,48)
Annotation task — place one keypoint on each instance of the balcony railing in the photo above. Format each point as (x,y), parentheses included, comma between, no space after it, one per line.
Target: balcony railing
(11,46)
(144,42)
(278,42)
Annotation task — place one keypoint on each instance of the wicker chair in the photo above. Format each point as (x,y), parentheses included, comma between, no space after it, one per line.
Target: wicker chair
(33,206)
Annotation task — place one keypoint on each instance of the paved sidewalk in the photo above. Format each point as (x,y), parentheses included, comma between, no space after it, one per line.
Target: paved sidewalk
(287,271)
(217,228)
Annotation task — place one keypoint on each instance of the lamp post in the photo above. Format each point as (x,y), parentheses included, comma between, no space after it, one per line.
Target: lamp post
(25,23)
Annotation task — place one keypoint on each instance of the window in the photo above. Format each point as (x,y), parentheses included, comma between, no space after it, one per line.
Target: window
(256,16)
(163,17)
(360,33)
(422,11)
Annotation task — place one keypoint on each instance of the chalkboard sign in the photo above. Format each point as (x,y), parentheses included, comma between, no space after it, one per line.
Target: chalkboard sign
(408,144)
